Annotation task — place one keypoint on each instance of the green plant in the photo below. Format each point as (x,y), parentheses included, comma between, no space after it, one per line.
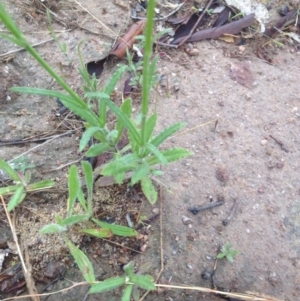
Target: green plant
(21,164)
(138,158)
(227,252)
(142,153)
(21,185)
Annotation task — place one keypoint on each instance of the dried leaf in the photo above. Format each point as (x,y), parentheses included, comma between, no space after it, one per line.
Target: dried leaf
(222,17)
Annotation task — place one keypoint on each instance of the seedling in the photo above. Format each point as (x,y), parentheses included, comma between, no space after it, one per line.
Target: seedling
(21,164)
(227,252)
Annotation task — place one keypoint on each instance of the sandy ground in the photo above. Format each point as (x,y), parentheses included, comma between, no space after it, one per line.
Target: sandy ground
(250,156)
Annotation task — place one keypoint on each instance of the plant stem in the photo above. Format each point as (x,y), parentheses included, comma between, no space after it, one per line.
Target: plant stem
(146,67)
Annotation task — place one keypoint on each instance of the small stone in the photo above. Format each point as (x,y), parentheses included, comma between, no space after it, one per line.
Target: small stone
(186,220)
(155,210)
(189,266)
(242,48)
(222,174)
(194,52)
(264,142)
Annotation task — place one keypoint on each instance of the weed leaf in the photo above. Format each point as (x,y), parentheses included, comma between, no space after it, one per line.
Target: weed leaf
(52,228)
(97,149)
(126,108)
(107,285)
(143,281)
(87,136)
(172,154)
(166,133)
(123,164)
(40,185)
(156,152)
(16,199)
(127,292)
(109,88)
(149,190)
(140,172)
(89,180)
(125,121)
(129,268)
(117,229)
(78,106)
(82,261)
(81,200)
(74,186)
(9,171)
(102,233)
(149,127)
(8,189)
(71,220)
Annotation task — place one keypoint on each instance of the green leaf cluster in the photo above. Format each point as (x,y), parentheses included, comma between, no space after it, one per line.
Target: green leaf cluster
(227,252)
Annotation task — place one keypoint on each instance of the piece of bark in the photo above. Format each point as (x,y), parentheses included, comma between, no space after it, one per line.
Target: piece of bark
(234,27)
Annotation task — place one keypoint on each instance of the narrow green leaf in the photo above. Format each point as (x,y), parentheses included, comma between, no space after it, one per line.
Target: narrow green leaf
(107,285)
(9,171)
(53,228)
(97,149)
(166,133)
(126,108)
(16,199)
(127,292)
(87,136)
(102,233)
(71,220)
(101,96)
(156,152)
(149,190)
(8,189)
(143,281)
(82,261)
(129,268)
(125,121)
(40,185)
(140,172)
(150,126)
(82,201)
(171,155)
(119,165)
(109,88)
(74,186)
(117,229)
(89,180)
(79,107)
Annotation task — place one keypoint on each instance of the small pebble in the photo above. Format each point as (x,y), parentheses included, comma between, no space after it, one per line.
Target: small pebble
(155,210)
(242,48)
(264,142)
(189,266)
(186,220)
(194,52)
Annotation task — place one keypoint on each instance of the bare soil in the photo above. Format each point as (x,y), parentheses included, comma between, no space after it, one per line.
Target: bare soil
(250,155)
